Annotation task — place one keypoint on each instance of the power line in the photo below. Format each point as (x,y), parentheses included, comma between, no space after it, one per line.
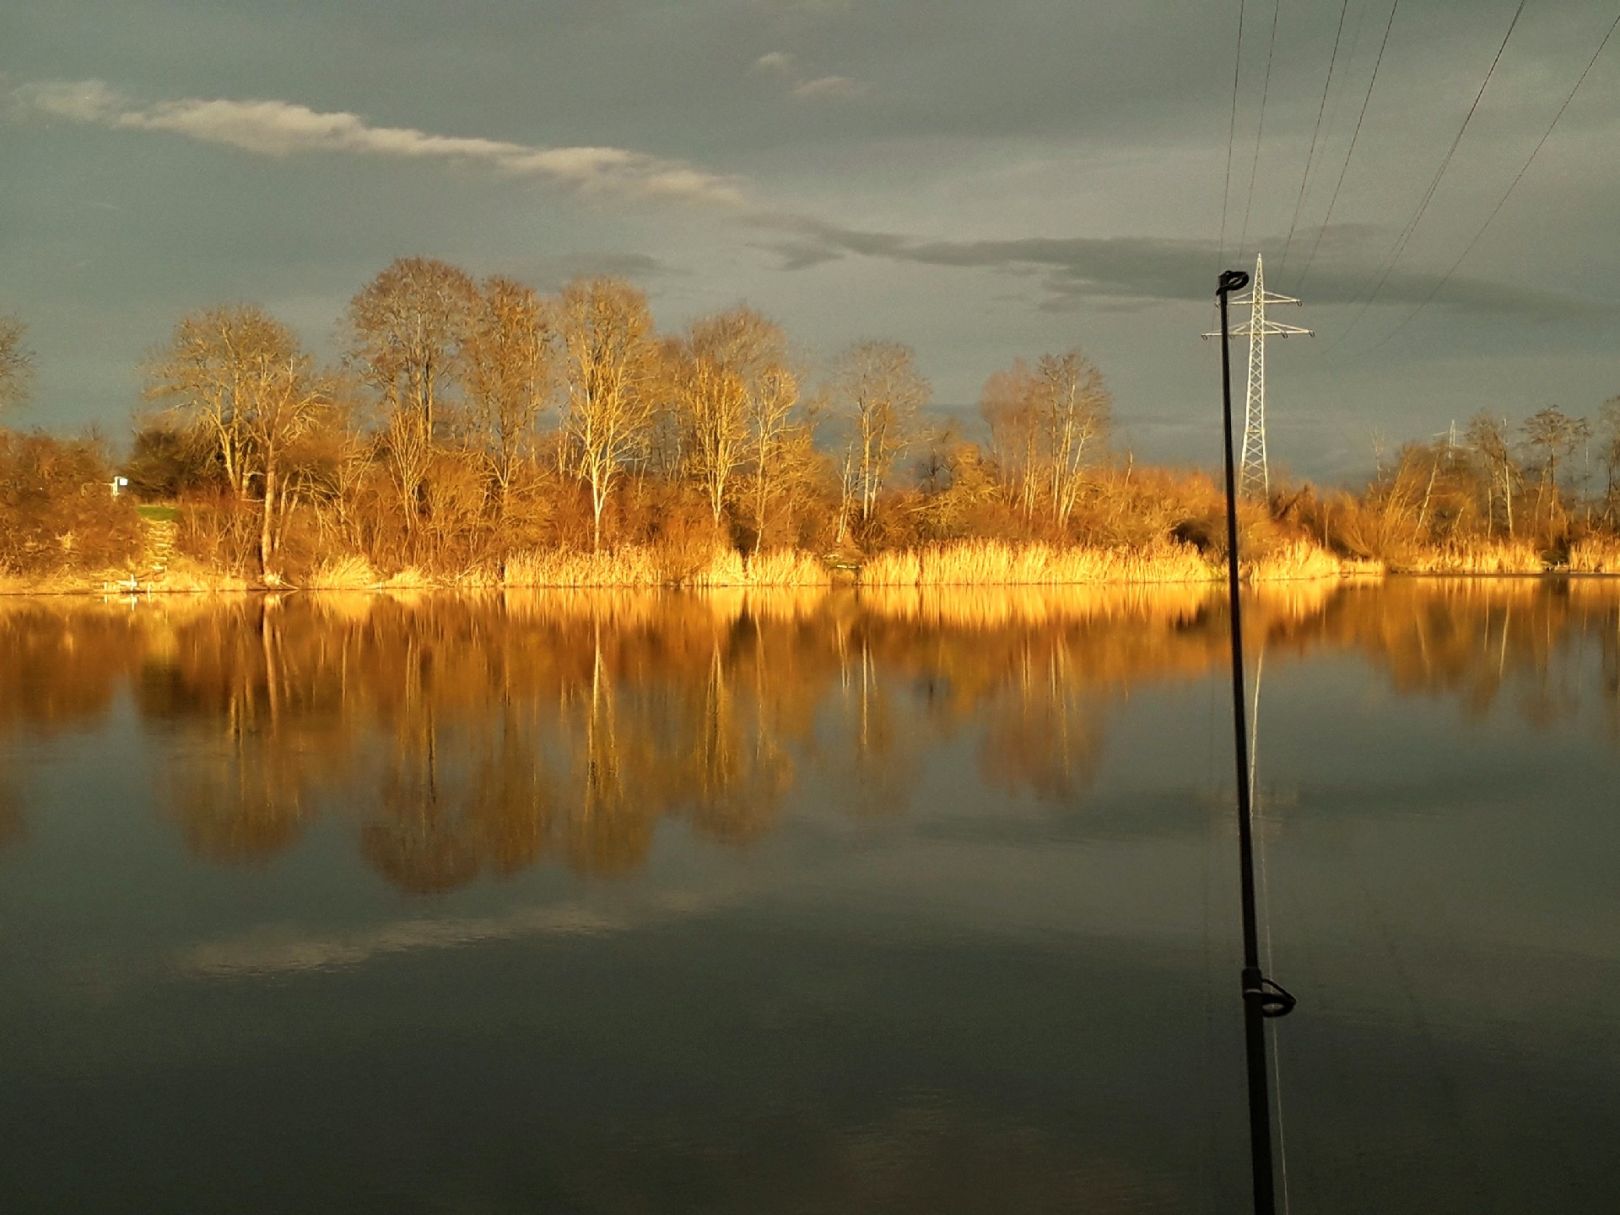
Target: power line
(1260,128)
(1310,154)
(1231,134)
(1350,151)
(1401,241)
(1513,185)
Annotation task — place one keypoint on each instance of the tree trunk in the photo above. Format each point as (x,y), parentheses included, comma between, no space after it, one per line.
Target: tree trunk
(267,520)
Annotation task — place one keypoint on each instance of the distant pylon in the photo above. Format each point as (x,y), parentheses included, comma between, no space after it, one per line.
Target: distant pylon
(1254,478)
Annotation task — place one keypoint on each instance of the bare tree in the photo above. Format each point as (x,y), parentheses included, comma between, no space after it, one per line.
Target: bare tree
(1008,405)
(239,377)
(1075,407)
(733,394)
(608,350)
(1552,435)
(771,437)
(509,366)
(1487,438)
(1608,435)
(407,329)
(16,364)
(882,391)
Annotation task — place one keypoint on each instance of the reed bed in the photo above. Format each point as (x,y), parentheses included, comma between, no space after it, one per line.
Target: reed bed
(343,574)
(1300,559)
(1507,557)
(995,563)
(622,567)
(643,567)
(1595,555)
(777,568)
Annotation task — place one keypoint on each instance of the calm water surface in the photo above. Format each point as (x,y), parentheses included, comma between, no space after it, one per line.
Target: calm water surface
(804,903)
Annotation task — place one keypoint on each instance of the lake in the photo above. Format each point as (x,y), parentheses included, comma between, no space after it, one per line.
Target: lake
(802,902)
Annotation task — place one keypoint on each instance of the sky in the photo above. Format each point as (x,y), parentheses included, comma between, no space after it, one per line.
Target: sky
(979,181)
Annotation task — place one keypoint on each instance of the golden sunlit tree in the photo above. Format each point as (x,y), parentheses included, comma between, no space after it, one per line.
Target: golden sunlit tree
(407,330)
(1553,435)
(1043,426)
(239,378)
(733,397)
(1007,404)
(510,364)
(1488,440)
(608,351)
(1074,406)
(881,390)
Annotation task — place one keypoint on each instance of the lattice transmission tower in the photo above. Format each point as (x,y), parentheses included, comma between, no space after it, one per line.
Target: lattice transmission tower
(1254,480)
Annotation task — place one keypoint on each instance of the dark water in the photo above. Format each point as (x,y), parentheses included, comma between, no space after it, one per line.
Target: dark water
(914,903)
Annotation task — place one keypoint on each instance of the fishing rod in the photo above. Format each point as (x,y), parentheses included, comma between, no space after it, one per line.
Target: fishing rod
(1262,999)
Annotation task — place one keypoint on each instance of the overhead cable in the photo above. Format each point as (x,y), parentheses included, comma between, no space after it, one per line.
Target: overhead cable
(1260,127)
(1350,151)
(1310,154)
(1513,185)
(1231,135)
(1401,241)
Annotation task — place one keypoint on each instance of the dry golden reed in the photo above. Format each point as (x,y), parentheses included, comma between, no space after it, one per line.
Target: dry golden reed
(1595,555)
(642,567)
(1502,557)
(1301,559)
(343,574)
(995,563)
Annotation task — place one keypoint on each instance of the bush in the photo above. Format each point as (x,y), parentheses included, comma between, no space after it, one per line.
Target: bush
(57,511)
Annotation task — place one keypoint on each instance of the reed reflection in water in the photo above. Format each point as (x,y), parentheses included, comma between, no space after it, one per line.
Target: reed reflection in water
(899,900)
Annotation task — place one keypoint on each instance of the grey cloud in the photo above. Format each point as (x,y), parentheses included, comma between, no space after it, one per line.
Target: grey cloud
(550,273)
(282,128)
(1134,270)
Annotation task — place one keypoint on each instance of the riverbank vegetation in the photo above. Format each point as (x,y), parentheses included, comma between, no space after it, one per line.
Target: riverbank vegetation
(480,434)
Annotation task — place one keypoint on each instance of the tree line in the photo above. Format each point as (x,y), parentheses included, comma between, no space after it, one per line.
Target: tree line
(468,421)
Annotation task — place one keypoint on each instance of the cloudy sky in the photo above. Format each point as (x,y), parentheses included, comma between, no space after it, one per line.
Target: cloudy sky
(978,180)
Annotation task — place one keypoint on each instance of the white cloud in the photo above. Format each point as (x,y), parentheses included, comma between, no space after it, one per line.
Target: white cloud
(773,63)
(781,65)
(284,128)
(829,86)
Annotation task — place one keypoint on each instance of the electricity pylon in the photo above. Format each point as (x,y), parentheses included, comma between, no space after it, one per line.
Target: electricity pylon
(1254,480)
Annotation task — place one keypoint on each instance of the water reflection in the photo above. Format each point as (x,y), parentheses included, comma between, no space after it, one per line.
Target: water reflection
(460,736)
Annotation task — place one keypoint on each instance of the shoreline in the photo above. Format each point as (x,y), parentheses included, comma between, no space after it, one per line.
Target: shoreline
(235,587)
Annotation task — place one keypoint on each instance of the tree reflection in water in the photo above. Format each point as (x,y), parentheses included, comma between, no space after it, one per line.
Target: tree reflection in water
(468,735)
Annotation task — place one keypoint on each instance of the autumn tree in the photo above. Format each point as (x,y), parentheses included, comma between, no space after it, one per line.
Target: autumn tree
(1074,407)
(407,333)
(881,390)
(734,395)
(510,363)
(1008,405)
(239,378)
(1608,436)
(777,444)
(16,363)
(1552,435)
(1043,425)
(1487,438)
(606,334)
